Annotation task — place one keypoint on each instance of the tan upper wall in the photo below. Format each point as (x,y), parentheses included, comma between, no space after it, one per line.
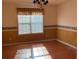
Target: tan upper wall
(9,14)
(10,17)
(64,14)
(67,13)
(50,15)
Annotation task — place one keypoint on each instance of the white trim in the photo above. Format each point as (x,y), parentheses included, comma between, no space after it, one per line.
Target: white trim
(67,44)
(50,27)
(11,30)
(28,42)
(67,29)
(41,41)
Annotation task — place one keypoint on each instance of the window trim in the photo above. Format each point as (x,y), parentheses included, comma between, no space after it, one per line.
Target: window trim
(30,28)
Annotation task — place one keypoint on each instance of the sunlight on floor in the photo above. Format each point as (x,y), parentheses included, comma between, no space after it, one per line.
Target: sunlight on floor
(36,52)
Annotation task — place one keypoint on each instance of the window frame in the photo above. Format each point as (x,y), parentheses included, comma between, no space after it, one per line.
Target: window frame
(31,23)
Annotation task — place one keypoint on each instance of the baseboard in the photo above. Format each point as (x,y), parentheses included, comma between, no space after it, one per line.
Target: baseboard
(67,44)
(40,41)
(27,42)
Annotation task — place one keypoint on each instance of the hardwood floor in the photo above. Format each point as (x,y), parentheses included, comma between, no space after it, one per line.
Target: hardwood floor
(56,50)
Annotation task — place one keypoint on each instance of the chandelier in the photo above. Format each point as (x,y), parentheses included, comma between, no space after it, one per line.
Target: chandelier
(40,2)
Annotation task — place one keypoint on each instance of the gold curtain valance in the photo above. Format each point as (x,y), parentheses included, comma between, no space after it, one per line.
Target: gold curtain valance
(28,11)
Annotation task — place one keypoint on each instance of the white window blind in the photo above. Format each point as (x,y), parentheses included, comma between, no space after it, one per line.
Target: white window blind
(37,22)
(24,24)
(30,23)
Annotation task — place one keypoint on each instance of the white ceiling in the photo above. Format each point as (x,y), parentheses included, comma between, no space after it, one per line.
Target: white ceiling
(55,2)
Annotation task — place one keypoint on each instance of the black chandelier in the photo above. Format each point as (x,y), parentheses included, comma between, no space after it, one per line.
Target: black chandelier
(40,2)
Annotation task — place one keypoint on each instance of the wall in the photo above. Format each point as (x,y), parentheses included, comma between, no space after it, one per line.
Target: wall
(50,15)
(67,14)
(63,15)
(9,14)
(10,32)
(67,20)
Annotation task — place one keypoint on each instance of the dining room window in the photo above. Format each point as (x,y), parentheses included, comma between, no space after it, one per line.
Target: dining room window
(30,22)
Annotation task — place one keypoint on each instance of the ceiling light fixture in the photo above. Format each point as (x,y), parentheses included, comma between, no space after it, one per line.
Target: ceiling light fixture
(40,2)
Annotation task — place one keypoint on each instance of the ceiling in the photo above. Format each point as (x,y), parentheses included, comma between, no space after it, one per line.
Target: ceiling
(55,2)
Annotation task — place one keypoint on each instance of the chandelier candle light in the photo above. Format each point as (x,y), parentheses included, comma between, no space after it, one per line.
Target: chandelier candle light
(40,2)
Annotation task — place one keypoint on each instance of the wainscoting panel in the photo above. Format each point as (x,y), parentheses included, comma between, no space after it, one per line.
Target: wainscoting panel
(67,36)
(13,37)
(50,33)
(63,33)
(10,35)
